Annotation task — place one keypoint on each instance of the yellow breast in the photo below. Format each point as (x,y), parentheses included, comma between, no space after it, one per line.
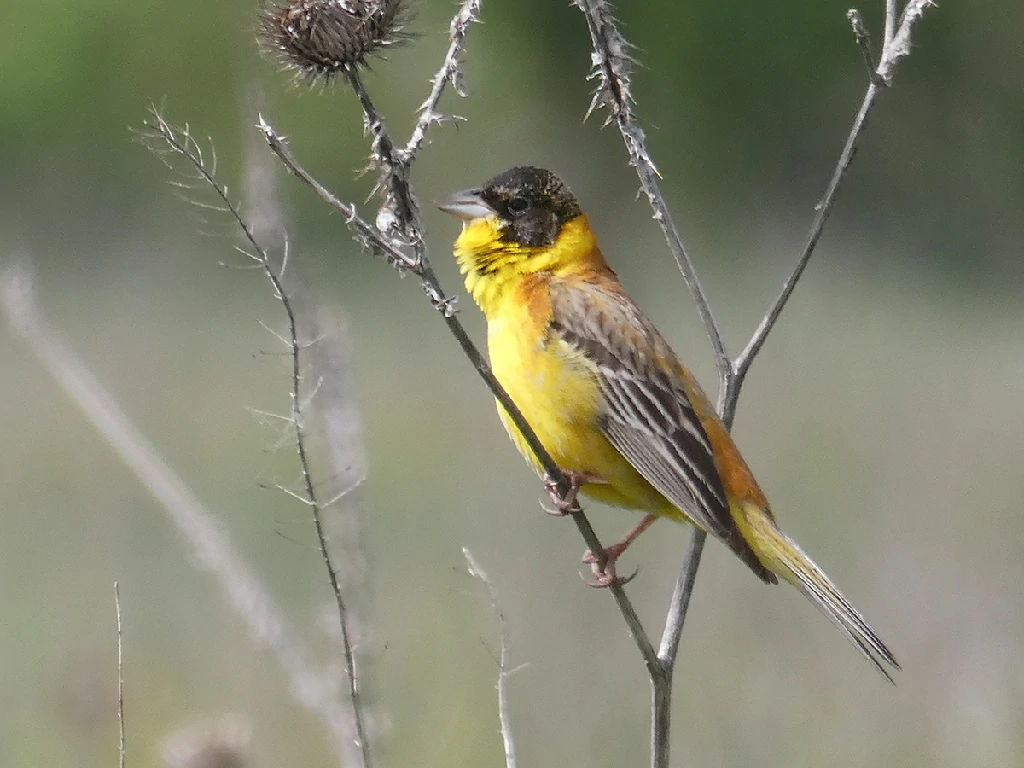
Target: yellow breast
(558,392)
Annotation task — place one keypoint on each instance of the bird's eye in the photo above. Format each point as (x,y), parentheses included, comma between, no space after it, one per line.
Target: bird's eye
(517,206)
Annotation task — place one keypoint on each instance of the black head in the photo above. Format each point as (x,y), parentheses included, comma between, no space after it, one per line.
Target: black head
(531,205)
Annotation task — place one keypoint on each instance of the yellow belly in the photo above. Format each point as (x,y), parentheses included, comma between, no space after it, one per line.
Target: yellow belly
(557,390)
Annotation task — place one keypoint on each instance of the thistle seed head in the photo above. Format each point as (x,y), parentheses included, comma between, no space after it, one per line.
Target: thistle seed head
(320,38)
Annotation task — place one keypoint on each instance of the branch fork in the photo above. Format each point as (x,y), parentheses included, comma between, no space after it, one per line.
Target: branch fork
(612,68)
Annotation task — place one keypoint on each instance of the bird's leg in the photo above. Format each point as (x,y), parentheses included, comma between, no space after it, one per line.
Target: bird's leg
(606,577)
(565,504)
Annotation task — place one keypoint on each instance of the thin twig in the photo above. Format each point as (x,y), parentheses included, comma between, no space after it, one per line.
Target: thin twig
(213,550)
(822,211)
(504,717)
(450,72)
(899,46)
(181,144)
(890,22)
(863,39)
(399,217)
(612,67)
(120,678)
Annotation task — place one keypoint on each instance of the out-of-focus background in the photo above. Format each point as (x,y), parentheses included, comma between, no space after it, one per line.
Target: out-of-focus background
(885,417)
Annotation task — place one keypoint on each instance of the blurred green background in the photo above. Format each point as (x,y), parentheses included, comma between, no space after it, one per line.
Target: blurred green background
(885,417)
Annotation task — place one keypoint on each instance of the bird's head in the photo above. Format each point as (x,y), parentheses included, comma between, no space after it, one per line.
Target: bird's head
(521,222)
(525,207)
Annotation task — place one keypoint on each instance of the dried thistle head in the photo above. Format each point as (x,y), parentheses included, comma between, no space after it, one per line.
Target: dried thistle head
(319,38)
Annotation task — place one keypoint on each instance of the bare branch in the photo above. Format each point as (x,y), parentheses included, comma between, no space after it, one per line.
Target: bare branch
(503,671)
(450,72)
(120,679)
(899,46)
(179,142)
(612,67)
(680,602)
(863,40)
(890,21)
(823,209)
(367,235)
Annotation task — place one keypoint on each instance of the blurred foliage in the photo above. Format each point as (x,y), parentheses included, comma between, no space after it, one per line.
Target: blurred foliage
(746,104)
(884,418)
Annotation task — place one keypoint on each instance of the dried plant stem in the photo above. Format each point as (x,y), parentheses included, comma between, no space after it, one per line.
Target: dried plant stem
(612,68)
(120,679)
(895,48)
(890,21)
(450,72)
(187,148)
(213,550)
(822,211)
(348,650)
(504,718)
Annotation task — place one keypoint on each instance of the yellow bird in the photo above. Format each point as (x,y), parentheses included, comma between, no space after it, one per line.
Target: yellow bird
(607,397)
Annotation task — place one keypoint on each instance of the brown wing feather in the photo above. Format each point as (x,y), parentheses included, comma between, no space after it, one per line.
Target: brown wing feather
(649,418)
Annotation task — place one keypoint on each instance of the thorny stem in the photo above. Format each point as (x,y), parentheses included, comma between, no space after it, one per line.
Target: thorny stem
(612,67)
(399,200)
(450,72)
(348,650)
(259,255)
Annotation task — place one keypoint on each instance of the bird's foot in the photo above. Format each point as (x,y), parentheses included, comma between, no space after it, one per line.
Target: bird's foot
(605,576)
(565,504)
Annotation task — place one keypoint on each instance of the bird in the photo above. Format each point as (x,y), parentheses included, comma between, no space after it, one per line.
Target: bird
(613,405)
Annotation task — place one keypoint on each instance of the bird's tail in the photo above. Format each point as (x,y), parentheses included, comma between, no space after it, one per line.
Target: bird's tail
(783,556)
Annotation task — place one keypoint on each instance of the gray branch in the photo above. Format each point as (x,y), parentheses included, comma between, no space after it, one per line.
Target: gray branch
(212,548)
(898,45)
(450,72)
(612,68)
(504,717)
(182,144)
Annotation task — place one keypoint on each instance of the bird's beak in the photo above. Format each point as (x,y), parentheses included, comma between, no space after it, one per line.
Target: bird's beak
(466,205)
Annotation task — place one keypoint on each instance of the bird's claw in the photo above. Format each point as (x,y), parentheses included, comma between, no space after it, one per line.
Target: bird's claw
(565,504)
(606,577)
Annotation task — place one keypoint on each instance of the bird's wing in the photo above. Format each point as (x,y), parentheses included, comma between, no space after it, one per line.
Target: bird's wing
(648,416)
